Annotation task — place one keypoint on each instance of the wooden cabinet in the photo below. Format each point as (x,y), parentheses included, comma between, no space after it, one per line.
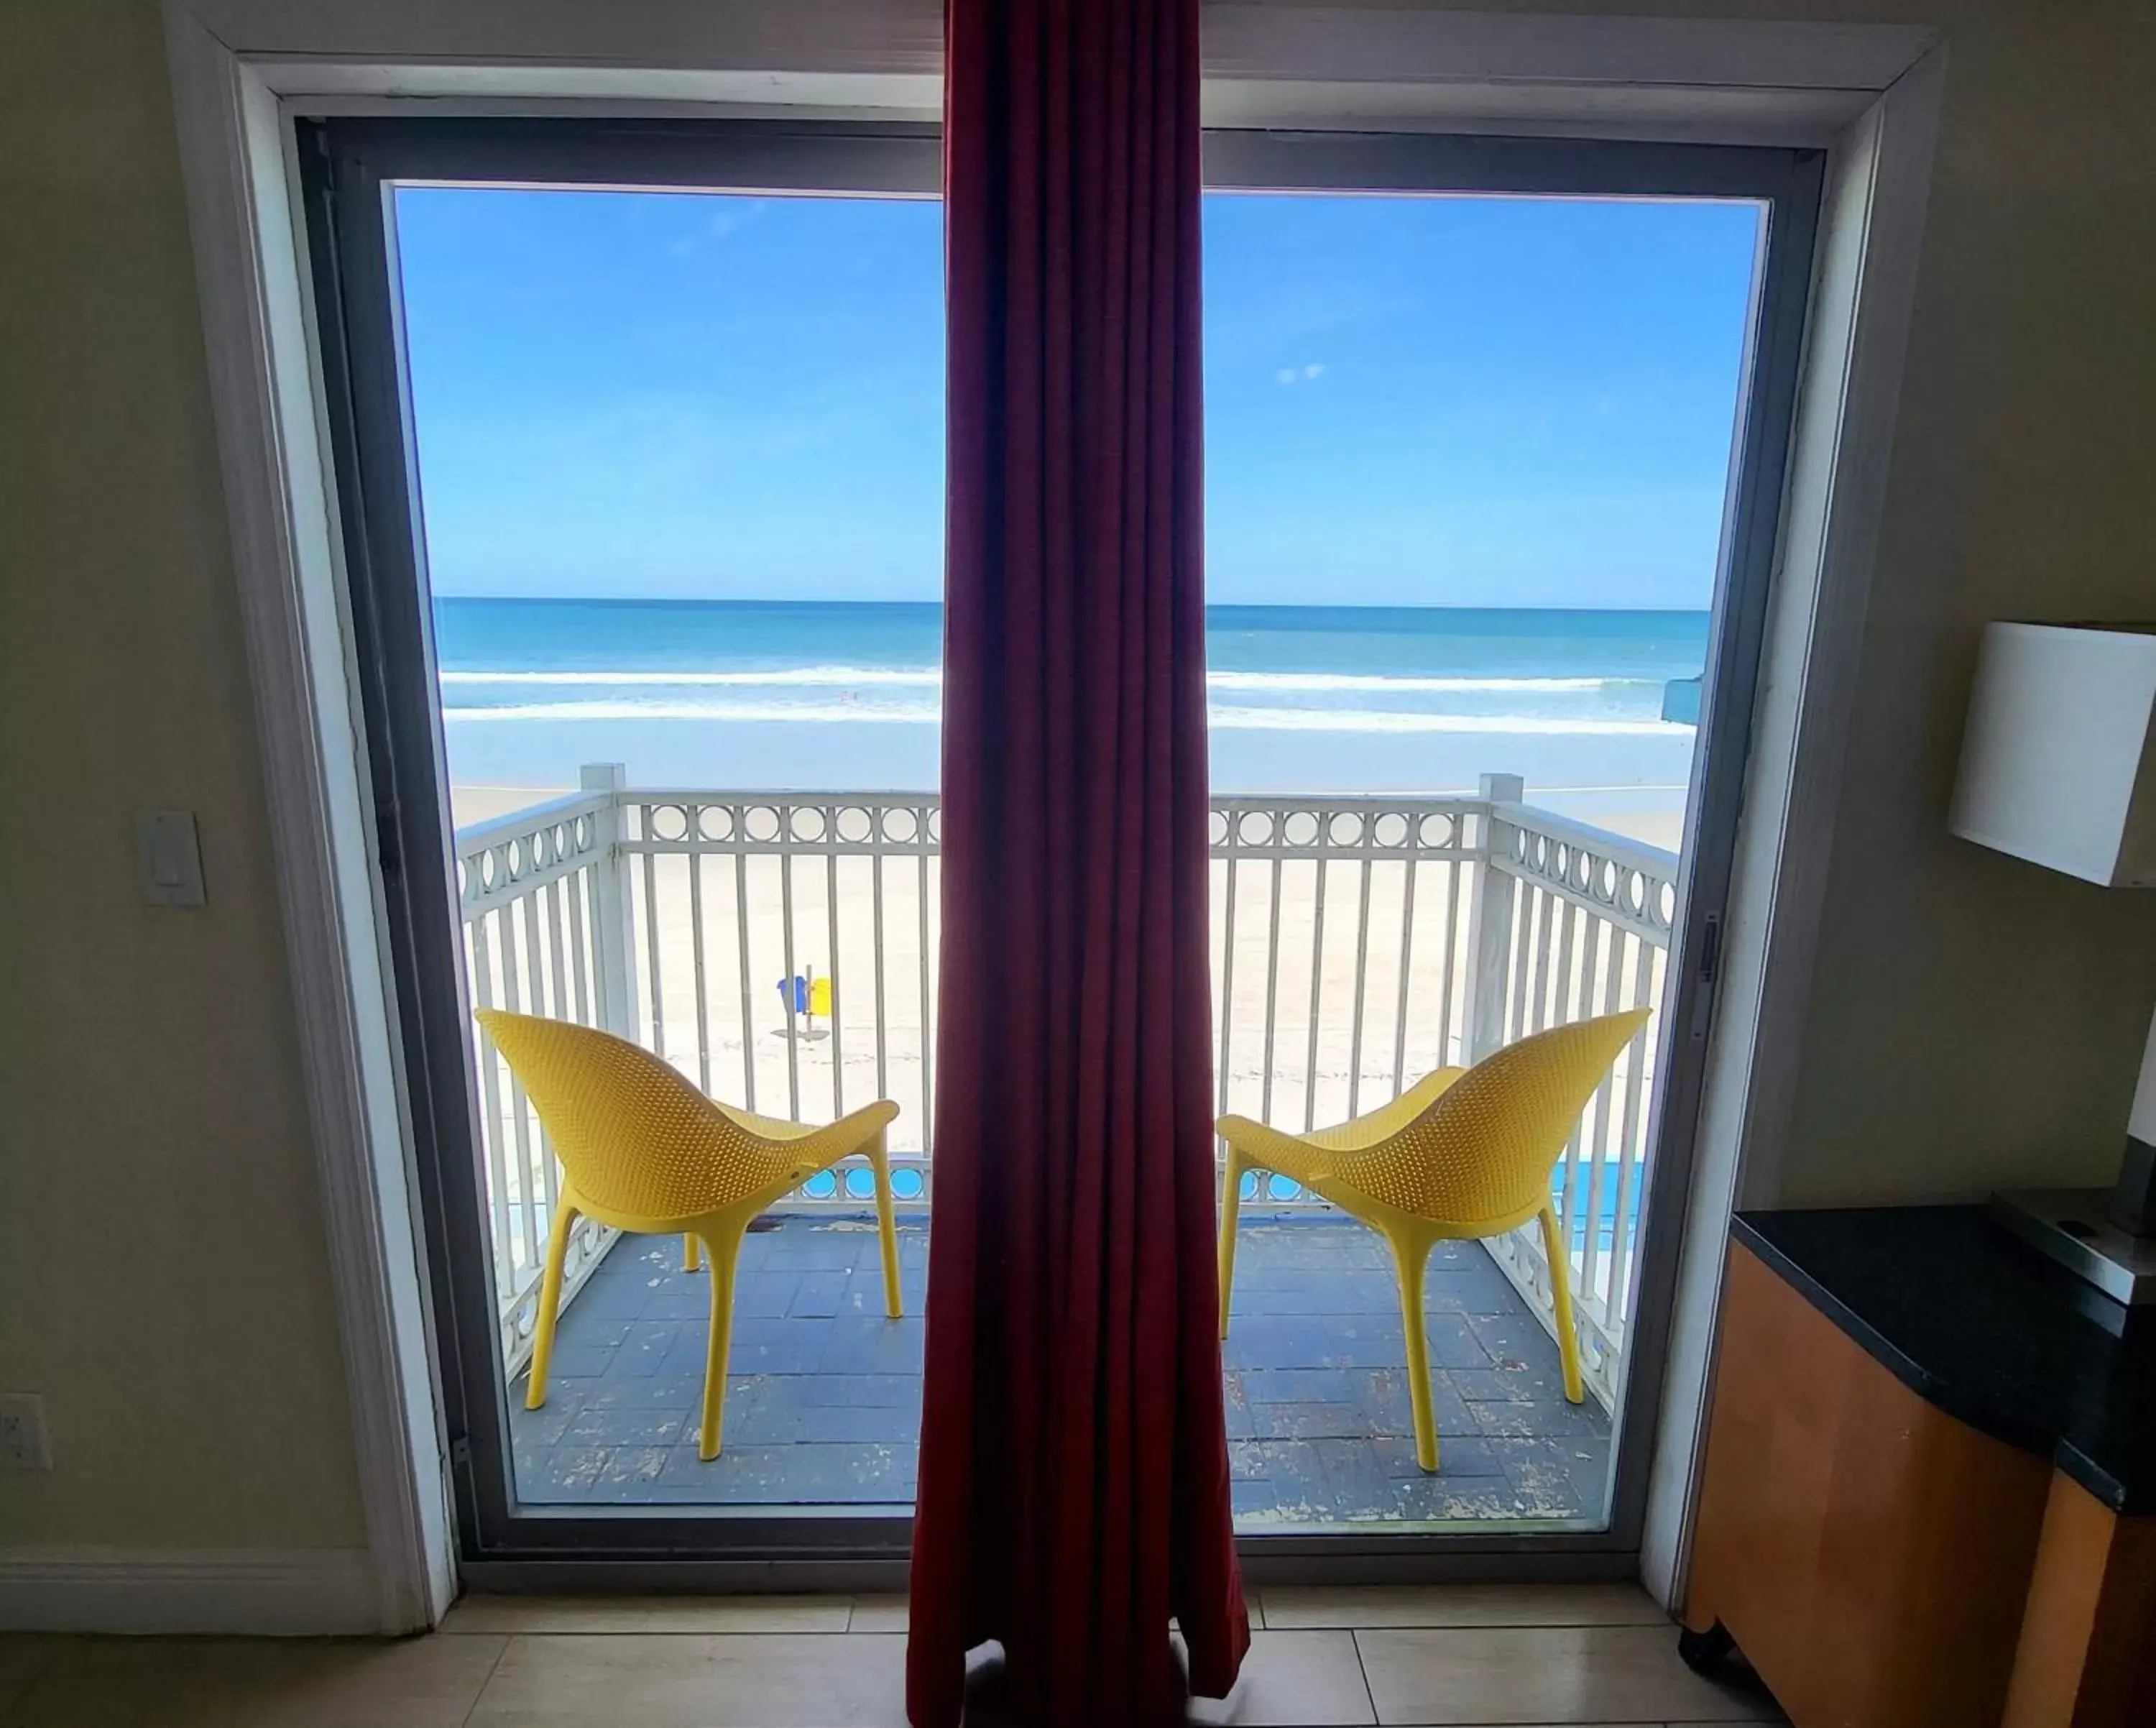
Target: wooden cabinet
(1883,1564)
(1868,1554)
(2087,1656)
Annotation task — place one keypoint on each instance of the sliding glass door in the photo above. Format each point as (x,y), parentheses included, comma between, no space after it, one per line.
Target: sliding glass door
(640,448)
(1493,446)
(639,433)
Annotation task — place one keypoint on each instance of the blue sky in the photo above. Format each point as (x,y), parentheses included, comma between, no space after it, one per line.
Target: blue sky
(1409,401)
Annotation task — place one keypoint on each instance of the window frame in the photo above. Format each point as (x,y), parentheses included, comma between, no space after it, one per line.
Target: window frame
(346,166)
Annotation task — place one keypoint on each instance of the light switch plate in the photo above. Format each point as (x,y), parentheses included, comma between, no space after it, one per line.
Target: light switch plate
(170,858)
(24,1442)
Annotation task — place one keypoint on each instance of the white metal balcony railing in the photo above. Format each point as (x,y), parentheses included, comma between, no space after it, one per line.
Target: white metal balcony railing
(1358,942)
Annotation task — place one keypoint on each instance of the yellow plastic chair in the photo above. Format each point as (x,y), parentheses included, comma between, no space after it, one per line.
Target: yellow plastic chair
(1463,1152)
(642,1149)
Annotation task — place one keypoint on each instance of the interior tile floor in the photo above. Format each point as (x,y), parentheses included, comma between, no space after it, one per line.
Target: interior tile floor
(824,1399)
(1468,1656)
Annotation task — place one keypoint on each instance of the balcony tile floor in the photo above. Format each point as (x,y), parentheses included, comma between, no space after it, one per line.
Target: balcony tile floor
(824,1401)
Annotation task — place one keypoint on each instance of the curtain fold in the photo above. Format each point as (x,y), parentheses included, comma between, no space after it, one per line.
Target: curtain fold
(1074,1489)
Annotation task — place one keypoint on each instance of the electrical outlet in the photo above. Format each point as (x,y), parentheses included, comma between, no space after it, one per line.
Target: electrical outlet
(24,1444)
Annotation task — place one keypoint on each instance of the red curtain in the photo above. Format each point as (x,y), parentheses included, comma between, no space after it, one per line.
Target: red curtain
(1073,1472)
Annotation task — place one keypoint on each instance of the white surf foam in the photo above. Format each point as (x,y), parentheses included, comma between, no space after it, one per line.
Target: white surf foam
(781,676)
(1226,718)
(1291,683)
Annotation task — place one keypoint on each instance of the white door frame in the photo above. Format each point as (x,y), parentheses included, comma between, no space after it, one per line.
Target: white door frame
(240,69)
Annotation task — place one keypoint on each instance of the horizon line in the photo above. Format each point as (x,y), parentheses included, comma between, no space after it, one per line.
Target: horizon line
(1210,605)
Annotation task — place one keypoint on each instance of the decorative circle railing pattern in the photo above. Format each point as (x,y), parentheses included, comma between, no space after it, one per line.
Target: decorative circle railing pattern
(503,861)
(1363,828)
(843,824)
(1610,876)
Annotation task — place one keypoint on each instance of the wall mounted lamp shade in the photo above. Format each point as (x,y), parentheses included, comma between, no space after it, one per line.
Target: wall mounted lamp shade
(2058,766)
(2058,763)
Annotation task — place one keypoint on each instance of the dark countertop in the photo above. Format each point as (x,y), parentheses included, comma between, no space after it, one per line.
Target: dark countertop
(1981,1327)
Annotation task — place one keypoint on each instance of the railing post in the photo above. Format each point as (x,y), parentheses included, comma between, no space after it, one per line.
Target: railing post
(1489,922)
(613,936)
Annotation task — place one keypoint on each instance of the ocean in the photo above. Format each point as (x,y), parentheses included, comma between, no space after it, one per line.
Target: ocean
(829,695)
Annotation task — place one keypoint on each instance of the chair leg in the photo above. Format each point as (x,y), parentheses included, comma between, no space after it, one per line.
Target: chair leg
(550,1302)
(886,1224)
(1410,1258)
(1231,1204)
(1568,1328)
(723,1246)
(690,1258)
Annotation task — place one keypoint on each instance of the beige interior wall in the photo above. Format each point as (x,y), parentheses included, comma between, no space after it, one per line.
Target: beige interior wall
(1977,1021)
(160,1265)
(162,1275)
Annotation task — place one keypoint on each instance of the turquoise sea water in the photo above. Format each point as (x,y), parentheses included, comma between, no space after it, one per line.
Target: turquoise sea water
(825,695)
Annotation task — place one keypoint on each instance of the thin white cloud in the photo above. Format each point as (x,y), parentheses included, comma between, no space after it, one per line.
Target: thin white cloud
(732,215)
